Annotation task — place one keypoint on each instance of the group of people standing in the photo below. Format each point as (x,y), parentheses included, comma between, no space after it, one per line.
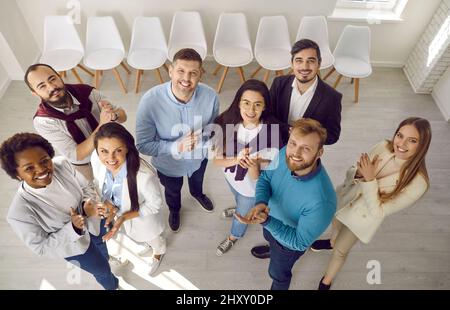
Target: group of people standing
(269,144)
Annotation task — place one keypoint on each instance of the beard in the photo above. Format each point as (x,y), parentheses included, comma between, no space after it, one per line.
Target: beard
(60,103)
(296,167)
(306,80)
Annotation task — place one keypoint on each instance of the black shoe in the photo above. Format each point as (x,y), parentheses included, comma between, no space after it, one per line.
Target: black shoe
(322,286)
(261,251)
(174,221)
(321,245)
(205,203)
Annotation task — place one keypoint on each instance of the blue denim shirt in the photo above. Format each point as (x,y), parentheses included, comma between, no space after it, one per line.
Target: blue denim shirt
(112,187)
(161,120)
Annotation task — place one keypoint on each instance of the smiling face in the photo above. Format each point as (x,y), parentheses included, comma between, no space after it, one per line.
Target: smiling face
(185,76)
(305,65)
(251,107)
(112,153)
(302,152)
(406,142)
(48,86)
(35,167)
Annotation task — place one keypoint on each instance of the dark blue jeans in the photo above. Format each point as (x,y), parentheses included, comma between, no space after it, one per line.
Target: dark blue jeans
(282,260)
(95,261)
(173,185)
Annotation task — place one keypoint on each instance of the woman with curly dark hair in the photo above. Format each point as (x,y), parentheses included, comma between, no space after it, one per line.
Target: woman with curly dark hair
(51,211)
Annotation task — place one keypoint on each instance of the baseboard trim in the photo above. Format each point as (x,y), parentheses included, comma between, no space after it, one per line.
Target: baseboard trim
(4,87)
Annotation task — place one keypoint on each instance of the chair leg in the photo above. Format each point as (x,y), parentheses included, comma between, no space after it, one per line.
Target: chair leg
(138,80)
(266,76)
(101,73)
(352,80)
(318,73)
(290,71)
(337,81)
(85,69)
(256,72)
(117,75)
(329,73)
(97,78)
(75,73)
(217,69)
(124,66)
(356,90)
(166,68)
(241,74)
(158,75)
(279,72)
(222,79)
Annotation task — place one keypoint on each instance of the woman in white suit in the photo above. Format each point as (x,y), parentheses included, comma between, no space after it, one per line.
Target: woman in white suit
(130,187)
(393,176)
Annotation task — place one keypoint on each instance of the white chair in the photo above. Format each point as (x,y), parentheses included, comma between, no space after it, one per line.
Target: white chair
(232,46)
(104,48)
(148,47)
(272,45)
(187,32)
(352,55)
(62,46)
(315,28)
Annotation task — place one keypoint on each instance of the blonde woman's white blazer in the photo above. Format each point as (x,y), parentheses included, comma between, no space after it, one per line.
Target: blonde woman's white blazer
(359,204)
(150,222)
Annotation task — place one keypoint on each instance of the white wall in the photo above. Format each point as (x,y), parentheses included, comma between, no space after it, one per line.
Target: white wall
(441,94)
(4,80)
(18,47)
(392,42)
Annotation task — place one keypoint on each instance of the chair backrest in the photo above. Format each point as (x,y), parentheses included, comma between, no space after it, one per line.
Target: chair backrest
(102,32)
(273,32)
(60,33)
(187,31)
(232,31)
(354,42)
(314,28)
(148,33)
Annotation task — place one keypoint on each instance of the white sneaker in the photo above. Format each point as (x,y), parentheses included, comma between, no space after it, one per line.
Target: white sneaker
(154,264)
(117,261)
(147,249)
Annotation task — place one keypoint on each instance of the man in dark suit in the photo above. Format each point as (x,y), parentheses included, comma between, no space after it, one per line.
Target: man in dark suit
(305,95)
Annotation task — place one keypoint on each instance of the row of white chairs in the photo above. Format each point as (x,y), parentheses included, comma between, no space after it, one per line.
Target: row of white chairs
(231,48)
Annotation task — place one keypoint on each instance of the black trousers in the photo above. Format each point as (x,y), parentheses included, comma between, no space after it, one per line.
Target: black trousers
(173,185)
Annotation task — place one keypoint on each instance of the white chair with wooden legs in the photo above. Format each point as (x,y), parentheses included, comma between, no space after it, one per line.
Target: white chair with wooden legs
(272,46)
(352,56)
(63,49)
(232,47)
(148,48)
(104,48)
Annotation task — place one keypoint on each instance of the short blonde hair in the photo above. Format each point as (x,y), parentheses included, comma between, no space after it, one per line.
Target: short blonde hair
(309,125)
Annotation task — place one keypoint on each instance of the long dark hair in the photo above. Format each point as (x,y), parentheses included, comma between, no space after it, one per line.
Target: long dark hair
(115,130)
(415,164)
(232,115)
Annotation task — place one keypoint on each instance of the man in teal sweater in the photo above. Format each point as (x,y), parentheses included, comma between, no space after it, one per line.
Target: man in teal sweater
(295,200)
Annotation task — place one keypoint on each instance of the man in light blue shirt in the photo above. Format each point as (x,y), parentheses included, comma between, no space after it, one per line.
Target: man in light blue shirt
(169,127)
(295,200)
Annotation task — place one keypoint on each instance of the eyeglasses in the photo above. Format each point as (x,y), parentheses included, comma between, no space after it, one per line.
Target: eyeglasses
(247,105)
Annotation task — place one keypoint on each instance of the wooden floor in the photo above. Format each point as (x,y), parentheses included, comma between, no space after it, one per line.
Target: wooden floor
(412,247)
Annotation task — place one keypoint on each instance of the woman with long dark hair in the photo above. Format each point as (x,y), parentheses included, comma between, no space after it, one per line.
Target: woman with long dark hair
(249,139)
(129,188)
(393,176)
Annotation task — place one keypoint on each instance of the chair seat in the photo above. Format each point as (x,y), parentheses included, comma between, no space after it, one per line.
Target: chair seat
(146,59)
(327,59)
(274,58)
(351,67)
(175,48)
(63,59)
(233,56)
(103,59)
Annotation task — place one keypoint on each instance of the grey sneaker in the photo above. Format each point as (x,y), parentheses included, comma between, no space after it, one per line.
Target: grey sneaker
(224,246)
(228,213)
